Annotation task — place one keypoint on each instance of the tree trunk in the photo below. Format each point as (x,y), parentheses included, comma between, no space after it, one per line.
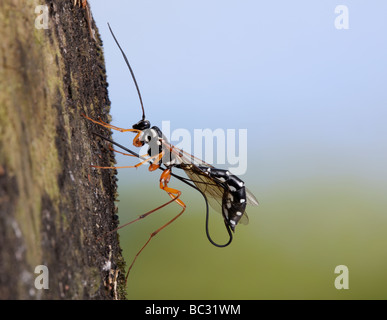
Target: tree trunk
(55,210)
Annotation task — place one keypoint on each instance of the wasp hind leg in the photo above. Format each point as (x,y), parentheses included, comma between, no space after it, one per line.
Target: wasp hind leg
(140,217)
(151,236)
(174,194)
(164,179)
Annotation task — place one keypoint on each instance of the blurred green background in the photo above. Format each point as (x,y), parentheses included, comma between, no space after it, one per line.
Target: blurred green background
(314,101)
(297,236)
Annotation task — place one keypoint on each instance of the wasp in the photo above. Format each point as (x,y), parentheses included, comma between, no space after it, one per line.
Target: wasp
(224,191)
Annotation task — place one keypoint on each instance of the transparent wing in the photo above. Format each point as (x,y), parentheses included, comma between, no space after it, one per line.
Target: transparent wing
(213,188)
(186,157)
(190,159)
(251,199)
(245,219)
(210,187)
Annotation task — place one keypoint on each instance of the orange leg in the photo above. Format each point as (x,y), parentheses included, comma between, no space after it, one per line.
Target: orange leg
(106,125)
(157,158)
(140,217)
(164,179)
(150,238)
(127,154)
(80,2)
(136,140)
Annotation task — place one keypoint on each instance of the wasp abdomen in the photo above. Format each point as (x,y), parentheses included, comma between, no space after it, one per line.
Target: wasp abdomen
(234,197)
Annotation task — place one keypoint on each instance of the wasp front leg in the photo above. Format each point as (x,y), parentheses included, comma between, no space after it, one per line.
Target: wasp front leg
(109,126)
(80,2)
(136,140)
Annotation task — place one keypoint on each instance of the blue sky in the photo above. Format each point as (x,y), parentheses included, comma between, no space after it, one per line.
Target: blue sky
(302,88)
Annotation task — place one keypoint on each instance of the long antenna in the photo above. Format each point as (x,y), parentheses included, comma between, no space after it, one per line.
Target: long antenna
(131,71)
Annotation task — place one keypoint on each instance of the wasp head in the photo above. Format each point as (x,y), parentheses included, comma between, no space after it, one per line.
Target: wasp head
(142,125)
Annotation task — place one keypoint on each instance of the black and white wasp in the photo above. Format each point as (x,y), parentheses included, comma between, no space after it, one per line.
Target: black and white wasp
(224,191)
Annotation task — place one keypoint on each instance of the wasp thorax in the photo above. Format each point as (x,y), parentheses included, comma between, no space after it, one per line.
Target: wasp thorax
(149,136)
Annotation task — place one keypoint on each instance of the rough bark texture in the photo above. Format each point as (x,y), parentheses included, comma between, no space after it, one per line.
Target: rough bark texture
(53,205)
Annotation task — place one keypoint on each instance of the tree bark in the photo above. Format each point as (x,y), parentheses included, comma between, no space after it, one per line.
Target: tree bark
(55,210)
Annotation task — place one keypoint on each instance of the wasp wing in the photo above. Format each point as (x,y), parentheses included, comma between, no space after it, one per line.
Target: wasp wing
(190,159)
(251,199)
(213,188)
(195,170)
